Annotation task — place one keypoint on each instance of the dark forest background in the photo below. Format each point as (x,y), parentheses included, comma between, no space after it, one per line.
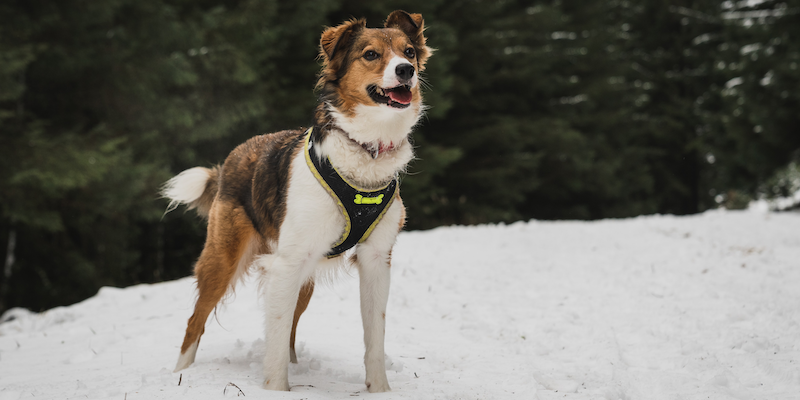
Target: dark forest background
(558,109)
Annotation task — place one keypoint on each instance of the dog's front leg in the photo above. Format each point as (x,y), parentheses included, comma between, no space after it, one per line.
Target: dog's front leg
(373,271)
(284,279)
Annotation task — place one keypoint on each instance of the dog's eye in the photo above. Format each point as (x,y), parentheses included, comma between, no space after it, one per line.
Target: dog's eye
(370,55)
(410,52)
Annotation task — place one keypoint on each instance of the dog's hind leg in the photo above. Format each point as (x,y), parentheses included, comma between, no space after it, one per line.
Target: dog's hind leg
(212,283)
(228,247)
(302,303)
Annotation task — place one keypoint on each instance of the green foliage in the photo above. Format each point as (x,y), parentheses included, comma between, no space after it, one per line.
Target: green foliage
(784,183)
(537,109)
(761,120)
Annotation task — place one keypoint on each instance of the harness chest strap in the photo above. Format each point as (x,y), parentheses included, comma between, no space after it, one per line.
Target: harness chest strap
(362,209)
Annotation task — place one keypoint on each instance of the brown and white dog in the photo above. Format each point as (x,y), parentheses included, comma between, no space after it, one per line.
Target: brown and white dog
(267,211)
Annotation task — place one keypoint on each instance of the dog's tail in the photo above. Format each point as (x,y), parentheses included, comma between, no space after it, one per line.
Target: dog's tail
(196,187)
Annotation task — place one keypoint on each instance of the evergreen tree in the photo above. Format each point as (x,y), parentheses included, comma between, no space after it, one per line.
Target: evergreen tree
(537,109)
(106,99)
(762,64)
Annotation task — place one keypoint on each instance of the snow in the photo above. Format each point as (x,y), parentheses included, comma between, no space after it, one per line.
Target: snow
(656,307)
(776,204)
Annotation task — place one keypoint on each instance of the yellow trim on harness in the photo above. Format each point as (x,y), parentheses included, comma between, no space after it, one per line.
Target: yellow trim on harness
(360,189)
(330,191)
(380,217)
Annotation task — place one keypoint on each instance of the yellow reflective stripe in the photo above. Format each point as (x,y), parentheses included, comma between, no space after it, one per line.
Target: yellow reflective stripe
(330,192)
(360,189)
(380,217)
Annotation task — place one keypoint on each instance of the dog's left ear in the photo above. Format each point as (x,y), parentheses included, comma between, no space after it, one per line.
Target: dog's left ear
(413,26)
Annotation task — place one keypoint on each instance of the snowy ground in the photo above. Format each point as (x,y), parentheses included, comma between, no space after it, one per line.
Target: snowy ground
(659,307)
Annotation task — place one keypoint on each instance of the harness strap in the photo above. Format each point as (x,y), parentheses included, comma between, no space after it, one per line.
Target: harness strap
(362,209)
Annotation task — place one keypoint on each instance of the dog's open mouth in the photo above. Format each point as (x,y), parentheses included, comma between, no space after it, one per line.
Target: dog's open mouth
(397,97)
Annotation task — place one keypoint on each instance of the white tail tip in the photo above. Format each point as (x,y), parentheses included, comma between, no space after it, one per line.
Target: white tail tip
(185,187)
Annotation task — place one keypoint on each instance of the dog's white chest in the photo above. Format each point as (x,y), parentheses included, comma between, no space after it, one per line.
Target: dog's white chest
(313,220)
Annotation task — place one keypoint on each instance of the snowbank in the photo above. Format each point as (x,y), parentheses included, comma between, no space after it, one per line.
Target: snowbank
(656,307)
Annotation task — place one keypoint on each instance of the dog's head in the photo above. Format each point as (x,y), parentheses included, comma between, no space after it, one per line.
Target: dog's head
(374,67)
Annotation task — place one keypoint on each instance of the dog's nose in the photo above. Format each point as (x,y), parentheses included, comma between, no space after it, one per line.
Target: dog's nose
(404,71)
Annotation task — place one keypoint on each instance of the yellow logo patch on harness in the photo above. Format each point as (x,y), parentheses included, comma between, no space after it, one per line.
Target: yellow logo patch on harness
(368,200)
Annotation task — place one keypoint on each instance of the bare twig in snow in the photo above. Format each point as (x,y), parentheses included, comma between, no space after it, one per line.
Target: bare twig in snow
(234,385)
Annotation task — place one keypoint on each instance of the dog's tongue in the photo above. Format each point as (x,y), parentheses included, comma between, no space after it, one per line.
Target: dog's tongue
(400,95)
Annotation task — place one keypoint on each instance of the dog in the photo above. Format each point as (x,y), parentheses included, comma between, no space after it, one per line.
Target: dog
(291,203)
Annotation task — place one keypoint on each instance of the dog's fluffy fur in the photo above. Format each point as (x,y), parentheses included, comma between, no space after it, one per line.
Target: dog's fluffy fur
(267,211)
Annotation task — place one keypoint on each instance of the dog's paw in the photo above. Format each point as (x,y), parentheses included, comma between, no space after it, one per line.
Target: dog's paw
(276,384)
(378,386)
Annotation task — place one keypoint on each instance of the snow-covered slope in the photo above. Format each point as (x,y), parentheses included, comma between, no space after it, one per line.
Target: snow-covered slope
(658,307)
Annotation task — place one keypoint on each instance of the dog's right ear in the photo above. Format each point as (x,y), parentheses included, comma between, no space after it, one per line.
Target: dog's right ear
(339,37)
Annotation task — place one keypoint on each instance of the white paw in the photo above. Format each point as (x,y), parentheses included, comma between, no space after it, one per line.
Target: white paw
(378,386)
(277,384)
(186,359)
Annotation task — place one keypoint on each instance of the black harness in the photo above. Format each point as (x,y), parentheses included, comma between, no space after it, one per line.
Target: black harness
(362,209)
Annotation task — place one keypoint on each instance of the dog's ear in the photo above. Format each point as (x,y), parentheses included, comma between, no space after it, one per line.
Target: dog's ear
(413,26)
(338,37)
